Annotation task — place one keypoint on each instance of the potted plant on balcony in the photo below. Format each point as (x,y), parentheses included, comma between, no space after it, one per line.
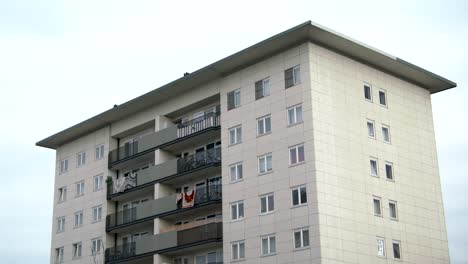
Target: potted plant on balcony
(109,180)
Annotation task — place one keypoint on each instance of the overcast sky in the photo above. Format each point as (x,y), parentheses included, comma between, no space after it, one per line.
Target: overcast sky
(61,63)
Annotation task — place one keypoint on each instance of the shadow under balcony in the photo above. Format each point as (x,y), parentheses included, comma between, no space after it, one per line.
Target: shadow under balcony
(173,138)
(198,164)
(172,240)
(165,206)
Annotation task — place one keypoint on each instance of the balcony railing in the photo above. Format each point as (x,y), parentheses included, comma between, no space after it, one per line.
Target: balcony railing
(165,242)
(165,205)
(166,169)
(165,136)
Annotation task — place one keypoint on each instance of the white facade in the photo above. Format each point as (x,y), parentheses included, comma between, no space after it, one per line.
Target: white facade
(326,149)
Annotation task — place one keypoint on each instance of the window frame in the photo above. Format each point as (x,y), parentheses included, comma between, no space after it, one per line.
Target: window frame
(296,78)
(370,91)
(60,224)
(99,185)
(379,199)
(296,121)
(268,238)
(237,131)
(299,196)
(376,161)
(77,247)
(302,244)
(267,203)
(384,251)
(238,251)
(238,176)
(263,120)
(389,164)
(80,159)
(96,243)
(236,204)
(80,190)
(296,152)
(395,203)
(264,157)
(384,92)
(261,84)
(59,252)
(62,194)
(388,132)
(97,213)
(78,222)
(236,103)
(372,122)
(63,168)
(396,242)
(99,152)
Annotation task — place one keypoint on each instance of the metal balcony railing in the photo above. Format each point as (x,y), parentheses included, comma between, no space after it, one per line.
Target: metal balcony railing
(165,242)
(164,205)
(165,136)
(169,168)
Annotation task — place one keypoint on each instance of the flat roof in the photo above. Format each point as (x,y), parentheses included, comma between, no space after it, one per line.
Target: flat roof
(308,31)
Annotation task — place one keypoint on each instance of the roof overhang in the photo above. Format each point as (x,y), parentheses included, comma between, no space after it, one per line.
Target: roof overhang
(305,32)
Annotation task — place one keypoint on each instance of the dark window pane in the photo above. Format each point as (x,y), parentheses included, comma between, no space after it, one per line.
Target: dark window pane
(396,250)
(303,195)
(230,99)
(367,92)
(388,169)
(305,238)
(295,197)
(382,98)
(258,90)
(288,78)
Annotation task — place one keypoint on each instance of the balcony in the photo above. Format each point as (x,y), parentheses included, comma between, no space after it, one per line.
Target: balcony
(171,241)
(199,162)
(165,138)
(161,207)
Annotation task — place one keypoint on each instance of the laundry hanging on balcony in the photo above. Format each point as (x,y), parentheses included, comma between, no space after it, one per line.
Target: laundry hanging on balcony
(188,199)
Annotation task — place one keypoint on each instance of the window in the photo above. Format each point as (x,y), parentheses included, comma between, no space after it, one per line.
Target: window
(267,203)
(99,152)
(268,245)
(263,125)
(63,166)
(77,250)
(60,224)
(380,247)
(392,206)
(59,255)
(235,135)
(238,250)
(62,192)
(296,154)
(383,98)
(81,159)
(97,213)
(373,167)
(301,238)
(299,195)
(236,171)
(237,210)
(80,188)
(386,133)
(370,129)
(367,92)
(96,245)
(294,115)
(396,249)
(265,163)
(233,99)
(98,182)
(292,76)
(377,206)
(78,219)
(389,170)
(262,88)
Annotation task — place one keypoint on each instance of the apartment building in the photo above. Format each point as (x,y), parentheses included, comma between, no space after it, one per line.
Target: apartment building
(308,147)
